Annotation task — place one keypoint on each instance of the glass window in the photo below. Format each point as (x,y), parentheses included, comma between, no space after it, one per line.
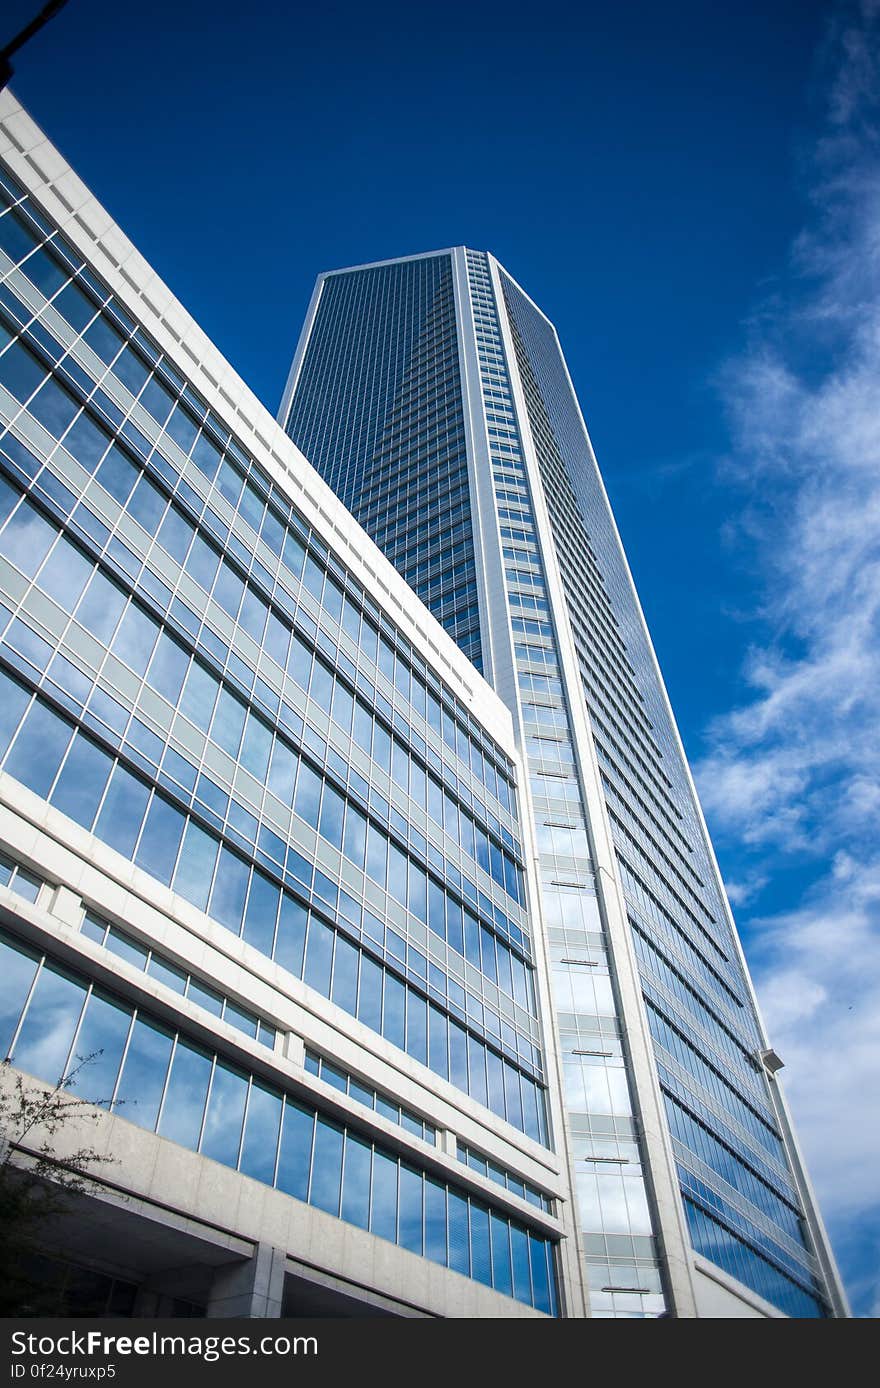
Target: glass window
(136,638)
(458,1072)
(370,995)
(377,851)
(319,956)
(168,667)
(65,574)
(411,1191)
(290,943)
(123,811)
(117,475)
(459,1242)
(327,1166)
(356,1181)
(435,1221)
(199,695)
(330,823)
(206,456)
(308,794)
(20,372)
(261,1130)
(202,562)
(143,1073)
(27,538)
(225,1115)
(230,886)
(538,1254)
(228,589)
(481,1261)
(438,1042)
(160,840)
(18,966)
(229,722)
(38,749)
(345,975)
(49,1024)
(519,1247)
(196,867)
(417,1027)
(256,747)
(79,788)
(502,1279)
(101,607)
(282,772)
(295,1157)
(262,909)
(383,1204)
(175,534)
(355,836)
(393,1020)
(147,506)
(97,1052)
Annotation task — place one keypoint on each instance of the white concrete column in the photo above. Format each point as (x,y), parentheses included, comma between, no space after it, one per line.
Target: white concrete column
(251,1289)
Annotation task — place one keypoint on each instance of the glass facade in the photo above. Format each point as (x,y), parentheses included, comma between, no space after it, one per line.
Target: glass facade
(382,419)
(192,677)
(53,1020)
(739,1193)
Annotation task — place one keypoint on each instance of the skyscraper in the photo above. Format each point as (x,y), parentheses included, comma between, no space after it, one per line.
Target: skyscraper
(432,395)
(263,889)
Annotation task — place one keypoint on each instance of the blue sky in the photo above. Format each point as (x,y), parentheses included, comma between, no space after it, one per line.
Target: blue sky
(692,193)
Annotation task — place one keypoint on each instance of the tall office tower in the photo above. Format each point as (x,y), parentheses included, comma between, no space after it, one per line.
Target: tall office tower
(432,394)
(262,881)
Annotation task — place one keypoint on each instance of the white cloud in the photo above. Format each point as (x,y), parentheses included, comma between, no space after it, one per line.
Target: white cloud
(796,768)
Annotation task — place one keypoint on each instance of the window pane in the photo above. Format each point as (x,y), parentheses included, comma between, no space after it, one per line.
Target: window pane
(101,607)
(290,943)
(228,722)
(135,639)
(65,574)
(160,840)
(438,1057)
(18,967)
(459,1243)
(519,1245)
(501,1274)
(480,1256)
(327,1167)
(319,955)
(98,1049)
(294,1162)
(230,886)
(370,995)
(261,1133)
(81,783)
(435,1221)
(14,699)
(169,665)
(262,909)
(143,1074)
(394,1013)
(196,867)
(410,1234)
(41,743)
(345,975)
(282,772)
(356,1181)
(225,1114)
(383,1205)
(540,1277)
(417,1027)
(47,1031)
(308,794)
(122,811)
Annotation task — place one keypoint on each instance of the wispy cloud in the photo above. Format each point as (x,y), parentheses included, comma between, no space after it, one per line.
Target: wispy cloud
(795,770)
